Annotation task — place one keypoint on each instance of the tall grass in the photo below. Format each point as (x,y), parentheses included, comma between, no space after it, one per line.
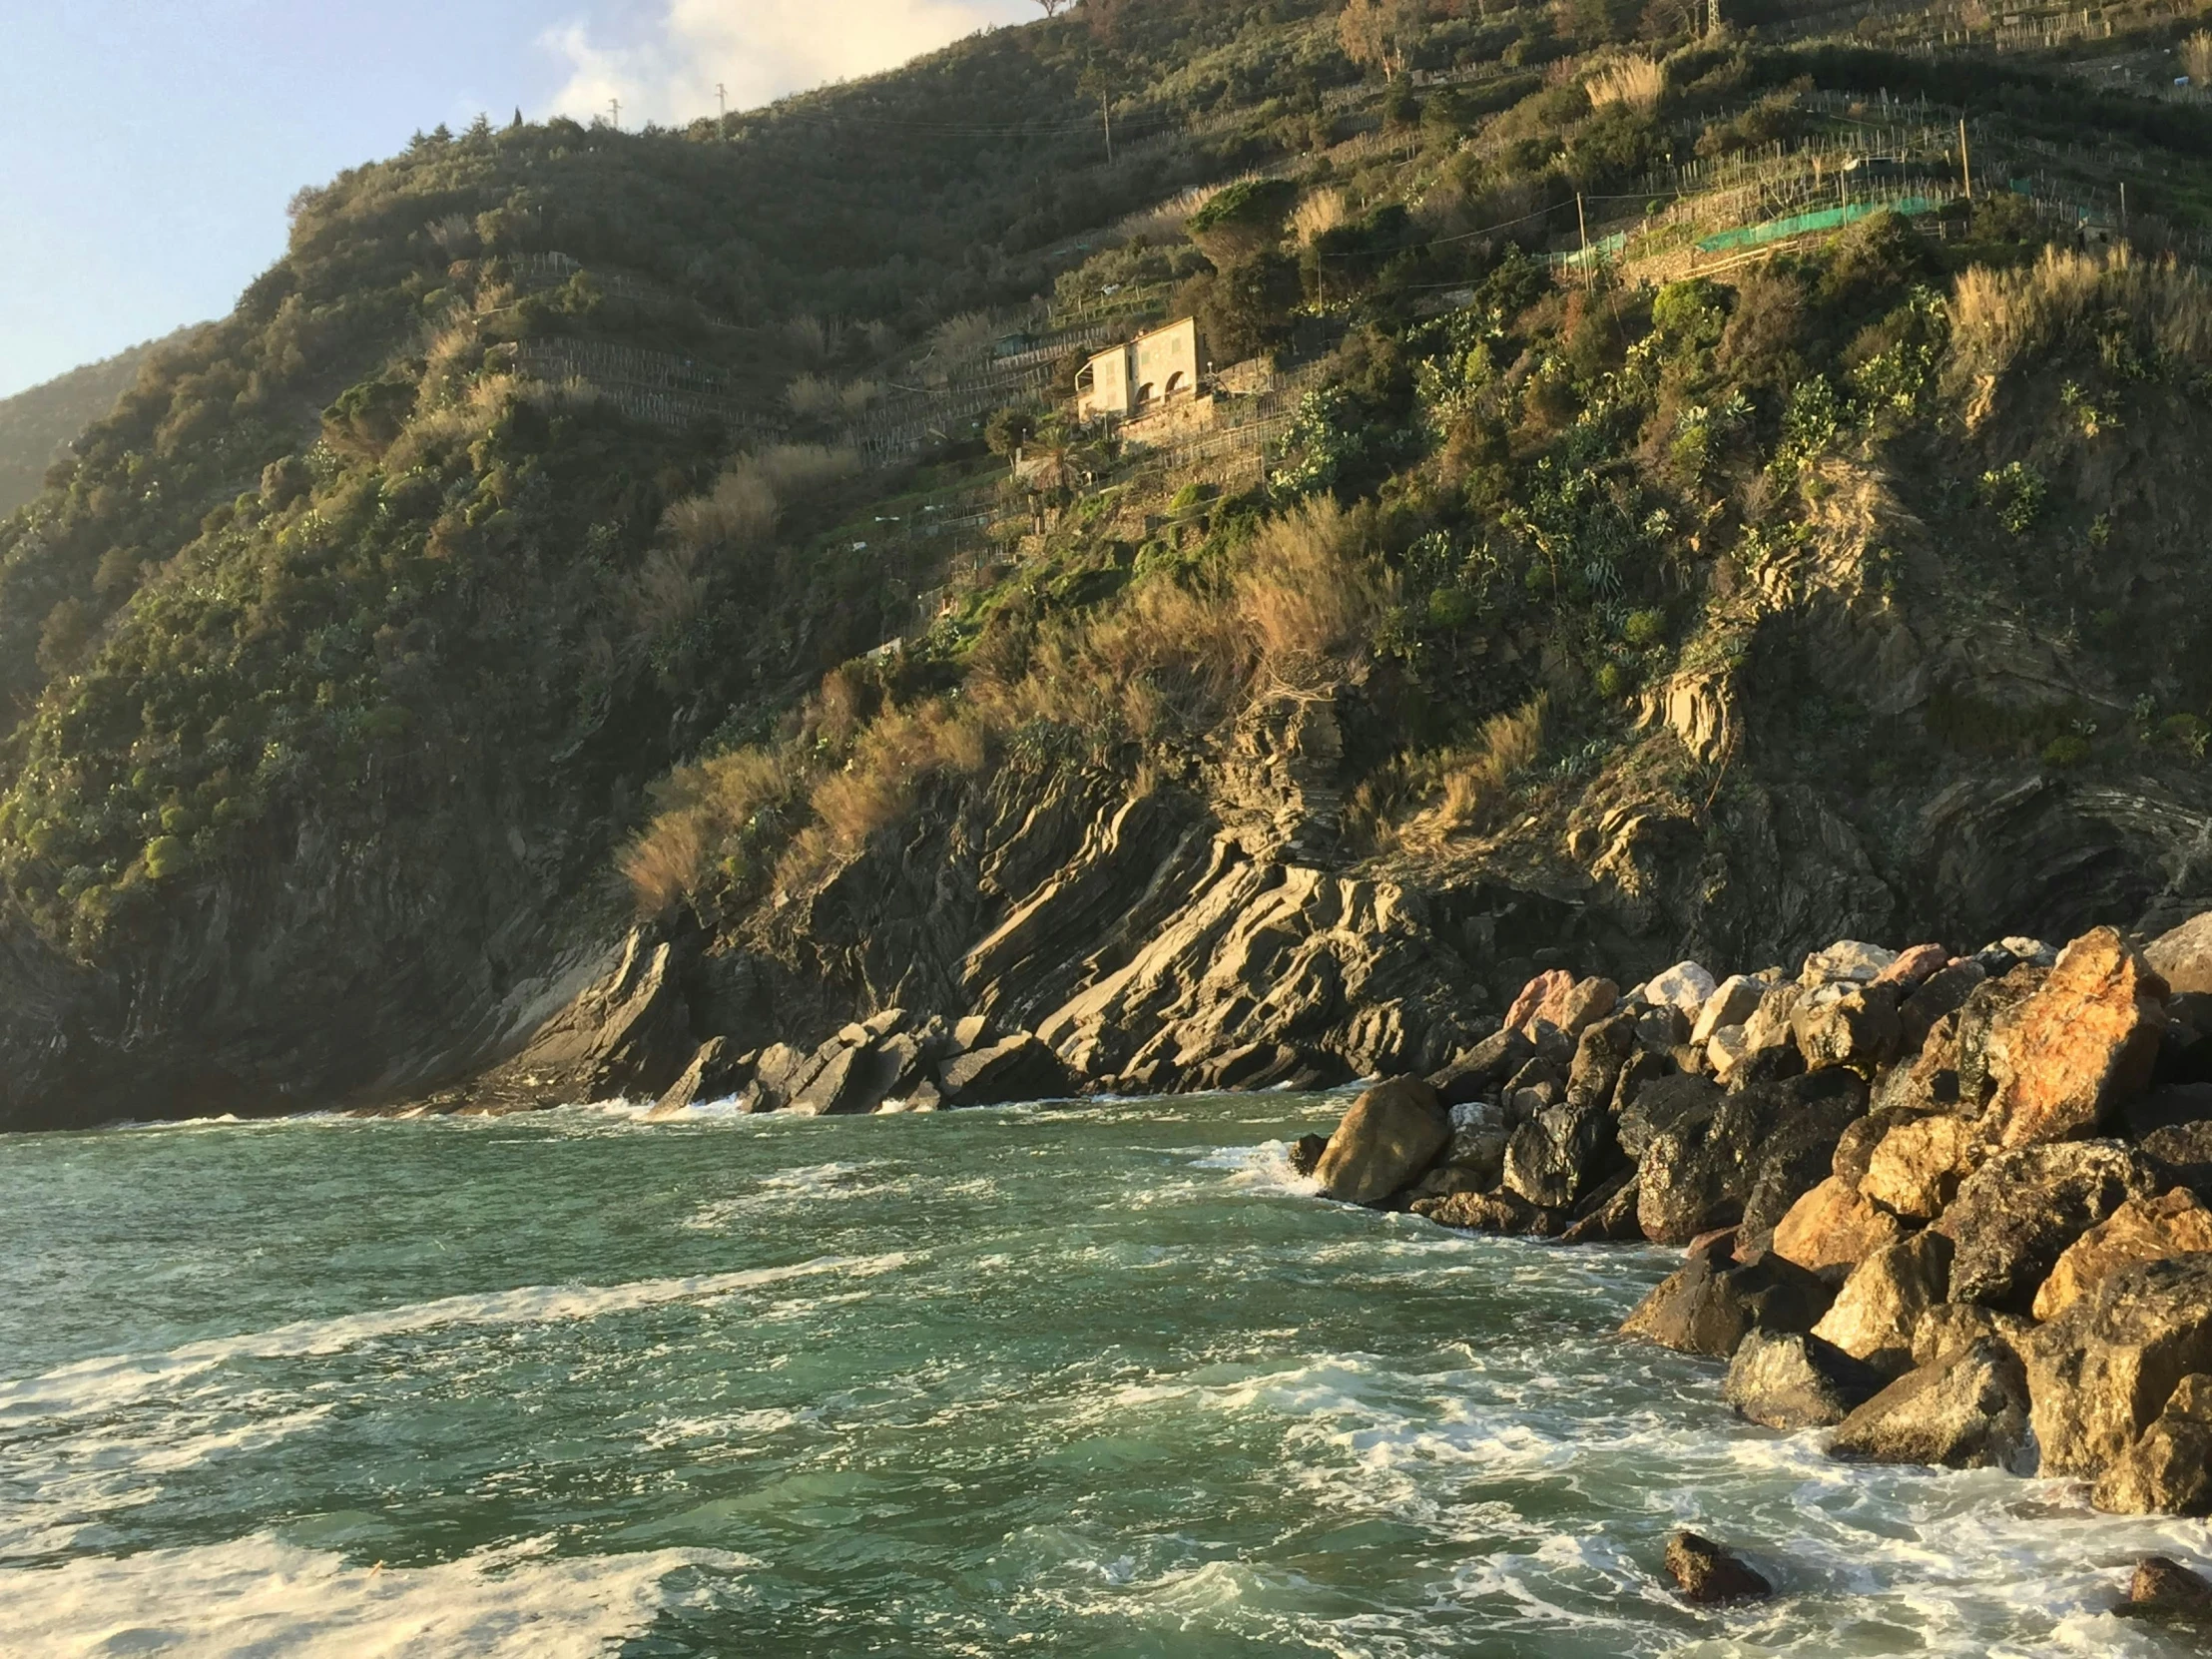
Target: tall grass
(1173,663)
(2196,57)
(1636,83)
(2160,308)
(1317,213)
(1477,780)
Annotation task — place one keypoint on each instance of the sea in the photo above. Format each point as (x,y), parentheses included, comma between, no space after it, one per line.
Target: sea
(1080,1378)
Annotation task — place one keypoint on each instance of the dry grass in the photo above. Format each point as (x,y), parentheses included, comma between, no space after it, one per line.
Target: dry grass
(701,809)
(1637,83)
(1998,318)
(1319,211)
(1477,780)
(1169,664)
(1164,222)
(2196,57)
(740,513)
(964,338)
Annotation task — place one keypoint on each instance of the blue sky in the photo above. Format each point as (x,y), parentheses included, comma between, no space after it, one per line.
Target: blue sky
(152,143)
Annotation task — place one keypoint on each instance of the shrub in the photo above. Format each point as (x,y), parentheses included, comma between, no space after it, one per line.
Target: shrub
(2160,310)
(1244,220)
(1644,628)
(1475,781)
(2015,493)
(2067,751)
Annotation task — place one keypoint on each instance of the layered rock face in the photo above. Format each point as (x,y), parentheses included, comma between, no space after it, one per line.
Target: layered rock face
(1947,1206)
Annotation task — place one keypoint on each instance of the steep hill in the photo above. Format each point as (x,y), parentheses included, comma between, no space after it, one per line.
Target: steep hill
(36,426)
(1813,555)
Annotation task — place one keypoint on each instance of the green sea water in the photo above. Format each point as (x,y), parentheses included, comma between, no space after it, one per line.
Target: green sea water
(1097,1380)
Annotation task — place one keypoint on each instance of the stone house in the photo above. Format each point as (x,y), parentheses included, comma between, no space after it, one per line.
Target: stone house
(1152,370)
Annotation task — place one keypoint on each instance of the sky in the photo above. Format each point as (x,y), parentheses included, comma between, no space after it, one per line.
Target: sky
(152,145)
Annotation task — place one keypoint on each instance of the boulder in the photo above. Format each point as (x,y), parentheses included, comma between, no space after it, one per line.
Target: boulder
(1847,1025)
(1784,1381)
(1686,986)
(1560,1153)
(2185,1047)
(1918,1168)
(2015,1216)
(1598,1058)
(1912,967)
(1968,1053)
(1966,1410)
(1951,1326)
(1016,1069)
(2083,1043)
(1475,1159)
(1934,999)
(1501,1212)
(851,1079)
(2102,1371)
(2184,956)
(1734,1000)
(2168,1470)
(1306,1153)
(1769,1026)
(1726,1050)
(1546,988)
(783,1071)
(1875,1312)
(1833,1226)
(1710,1305)
(2141,1230)
(1657,1105)
(2184,1152)
(1661,1030)
(716,1072)
(1482,1068)
(1558,1000)
(1847,960)
(1796,1156)
(1608,1215)
(1854,1148)
(1391,1135)
(2160,1586)
(1706,1573)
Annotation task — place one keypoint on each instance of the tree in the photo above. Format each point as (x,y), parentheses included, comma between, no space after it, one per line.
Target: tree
(1052,8)
(1375,34)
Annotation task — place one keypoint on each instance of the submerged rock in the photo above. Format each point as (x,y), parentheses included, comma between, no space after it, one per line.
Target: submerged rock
(1501,1212)
(1390,1136)
(1018,1067)
(2160,1585)
(1704,1572)
(1306,1153)
(1966,1410)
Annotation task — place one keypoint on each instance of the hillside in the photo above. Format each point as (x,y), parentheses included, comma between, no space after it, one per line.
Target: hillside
(36,426)
(1656,509)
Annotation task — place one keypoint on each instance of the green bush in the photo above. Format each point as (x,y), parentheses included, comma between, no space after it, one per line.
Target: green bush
(1244,220)
(1644,628)
(2014,492)
(165,855)
(2066,751)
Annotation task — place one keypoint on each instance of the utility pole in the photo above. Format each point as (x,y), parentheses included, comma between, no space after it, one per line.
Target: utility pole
(721,111)
(1966,164)
(1106,115)
(615,104)
(1582,229)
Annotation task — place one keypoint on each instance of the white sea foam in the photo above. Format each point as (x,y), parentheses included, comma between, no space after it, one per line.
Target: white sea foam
(264,1597)
(114,1380)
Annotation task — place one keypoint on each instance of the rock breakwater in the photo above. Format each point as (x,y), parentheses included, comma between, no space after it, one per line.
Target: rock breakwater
(1950,1207)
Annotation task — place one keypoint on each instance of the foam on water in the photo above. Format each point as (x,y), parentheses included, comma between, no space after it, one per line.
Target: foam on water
(1101,1380)
(257,1595)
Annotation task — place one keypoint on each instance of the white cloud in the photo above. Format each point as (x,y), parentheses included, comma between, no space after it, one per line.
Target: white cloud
(759,49)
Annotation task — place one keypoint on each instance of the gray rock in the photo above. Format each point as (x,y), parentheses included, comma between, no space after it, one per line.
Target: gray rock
(1790,1381)
(1951,1326)
(1481,1069)
(1940,995)
(1306,1153)
(2163,1586)
(2015,1215)
(1845,962)
(1968,1409)
(1016,1069)
(715,1072)
(2184,956)
(1560,1153)
(1598,1058)
(1710,1305)
(1657,1104)
(1847,1026)
(1606,1215)
(1733,1002)
(1685,986)
(1389,1137)
(851,1080)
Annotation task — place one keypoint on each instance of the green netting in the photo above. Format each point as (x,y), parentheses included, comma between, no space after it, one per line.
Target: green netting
(1797,225)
